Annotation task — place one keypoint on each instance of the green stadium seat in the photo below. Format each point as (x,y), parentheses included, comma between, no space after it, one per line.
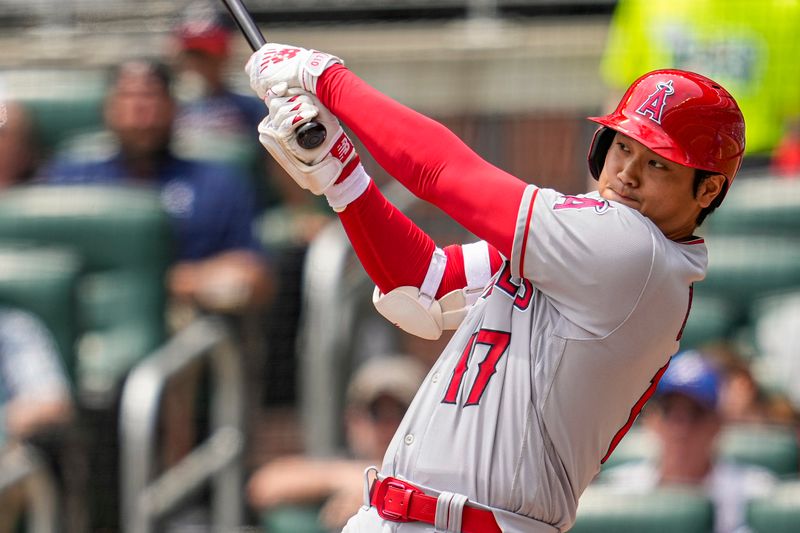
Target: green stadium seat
(759,206)
(124,240)
(57,121)
(43,281)
(711,319)
(777,513)
(639,444)
(661,511)
(743,268)
(292,519)
(771,447)
(772,334)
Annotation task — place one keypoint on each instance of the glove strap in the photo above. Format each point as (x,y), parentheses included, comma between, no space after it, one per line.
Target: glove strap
(315,65)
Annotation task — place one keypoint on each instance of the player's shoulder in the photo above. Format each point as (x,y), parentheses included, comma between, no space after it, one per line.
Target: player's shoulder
(600,219)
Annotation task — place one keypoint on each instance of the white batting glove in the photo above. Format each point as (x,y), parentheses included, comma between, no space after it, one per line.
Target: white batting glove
(333,168)
(275,68)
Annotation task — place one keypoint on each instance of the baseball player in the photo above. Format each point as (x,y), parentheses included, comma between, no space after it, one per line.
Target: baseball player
(566,312)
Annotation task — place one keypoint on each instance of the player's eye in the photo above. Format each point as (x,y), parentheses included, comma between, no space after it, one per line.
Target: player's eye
(622,146)
(657,164)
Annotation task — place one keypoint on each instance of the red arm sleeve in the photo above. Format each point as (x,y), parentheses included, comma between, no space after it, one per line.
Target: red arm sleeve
(395,251)
(427,158)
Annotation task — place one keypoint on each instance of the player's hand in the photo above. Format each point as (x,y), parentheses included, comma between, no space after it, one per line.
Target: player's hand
(333,168)
(276,68)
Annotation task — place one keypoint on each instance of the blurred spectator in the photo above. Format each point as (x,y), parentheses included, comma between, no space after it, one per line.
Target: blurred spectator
(220,264)
(750,48)
(214,122)
(787,156)
(35,397)
(377,397)
(34,392)
(684,416)
(36,401)
(742,399)
(18,154)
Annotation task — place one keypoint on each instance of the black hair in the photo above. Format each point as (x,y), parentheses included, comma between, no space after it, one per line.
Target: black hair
(699,177)
(159,70)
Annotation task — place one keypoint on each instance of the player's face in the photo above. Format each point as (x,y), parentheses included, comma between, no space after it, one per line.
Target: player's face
(661,190)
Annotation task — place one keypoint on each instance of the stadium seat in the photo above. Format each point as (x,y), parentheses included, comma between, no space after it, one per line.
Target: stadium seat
(661,511)
(292,519)
(711,319)
(639,444)
(772,447)
(777,513)
(42,281)
(743,268)
(57,121)
(123,239)
(774,331)
(760,206)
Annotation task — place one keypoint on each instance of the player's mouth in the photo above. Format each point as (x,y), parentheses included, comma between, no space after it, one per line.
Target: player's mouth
(619,197)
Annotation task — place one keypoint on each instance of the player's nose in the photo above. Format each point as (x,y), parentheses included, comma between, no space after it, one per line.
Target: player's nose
(629,174)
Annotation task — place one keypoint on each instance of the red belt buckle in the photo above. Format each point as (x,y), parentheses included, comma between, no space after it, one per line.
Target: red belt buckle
(393,499)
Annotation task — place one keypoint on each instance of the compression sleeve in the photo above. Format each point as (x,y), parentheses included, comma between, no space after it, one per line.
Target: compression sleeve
(427,158)
(394,251)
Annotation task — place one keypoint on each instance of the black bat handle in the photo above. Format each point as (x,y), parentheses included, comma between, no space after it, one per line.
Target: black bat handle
(309,135)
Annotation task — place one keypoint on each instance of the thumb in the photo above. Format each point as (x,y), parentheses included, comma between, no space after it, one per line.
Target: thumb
(276,91)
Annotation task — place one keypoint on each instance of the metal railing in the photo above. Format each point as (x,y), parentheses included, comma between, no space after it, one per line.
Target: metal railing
(332,288)
(217,461)
(21,465)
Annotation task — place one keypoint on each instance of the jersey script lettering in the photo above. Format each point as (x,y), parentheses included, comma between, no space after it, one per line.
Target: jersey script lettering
(580,202)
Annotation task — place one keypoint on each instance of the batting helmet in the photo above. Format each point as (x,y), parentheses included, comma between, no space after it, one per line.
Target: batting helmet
(682,116)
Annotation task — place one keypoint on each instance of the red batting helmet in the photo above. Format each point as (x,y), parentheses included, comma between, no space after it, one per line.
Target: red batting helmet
(682,116)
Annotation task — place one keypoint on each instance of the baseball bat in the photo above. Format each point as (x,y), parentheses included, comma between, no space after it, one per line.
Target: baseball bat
(309,135)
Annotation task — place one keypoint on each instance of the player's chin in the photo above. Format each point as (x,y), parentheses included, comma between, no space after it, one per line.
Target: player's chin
(613,196)
(633,204)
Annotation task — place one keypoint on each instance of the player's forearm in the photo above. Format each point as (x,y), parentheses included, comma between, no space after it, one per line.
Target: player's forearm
(427,158)
(394,251)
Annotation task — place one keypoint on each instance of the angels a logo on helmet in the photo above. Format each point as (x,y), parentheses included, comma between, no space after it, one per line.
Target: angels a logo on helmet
(653,106)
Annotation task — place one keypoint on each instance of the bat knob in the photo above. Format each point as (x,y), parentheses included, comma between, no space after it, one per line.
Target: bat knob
(311,135)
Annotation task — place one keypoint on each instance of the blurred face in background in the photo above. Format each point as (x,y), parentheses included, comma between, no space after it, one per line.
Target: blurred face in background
(687,431)
(370,427)
(201,73)
(16,149)
(140,111)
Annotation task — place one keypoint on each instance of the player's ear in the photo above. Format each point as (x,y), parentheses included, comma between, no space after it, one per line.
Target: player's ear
(709,188)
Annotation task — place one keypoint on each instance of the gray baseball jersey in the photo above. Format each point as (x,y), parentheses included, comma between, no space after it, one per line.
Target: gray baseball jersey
(554,361)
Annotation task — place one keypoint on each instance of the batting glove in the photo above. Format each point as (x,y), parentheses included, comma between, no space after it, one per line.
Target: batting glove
(333,168)
(275,68)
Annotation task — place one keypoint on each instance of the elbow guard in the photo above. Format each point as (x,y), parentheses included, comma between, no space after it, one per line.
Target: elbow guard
(406,308)
(417,311)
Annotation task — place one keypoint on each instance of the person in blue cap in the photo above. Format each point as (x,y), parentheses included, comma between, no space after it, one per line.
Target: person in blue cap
(684,417)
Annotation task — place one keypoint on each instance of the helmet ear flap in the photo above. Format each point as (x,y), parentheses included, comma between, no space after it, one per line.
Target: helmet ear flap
(601,142)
